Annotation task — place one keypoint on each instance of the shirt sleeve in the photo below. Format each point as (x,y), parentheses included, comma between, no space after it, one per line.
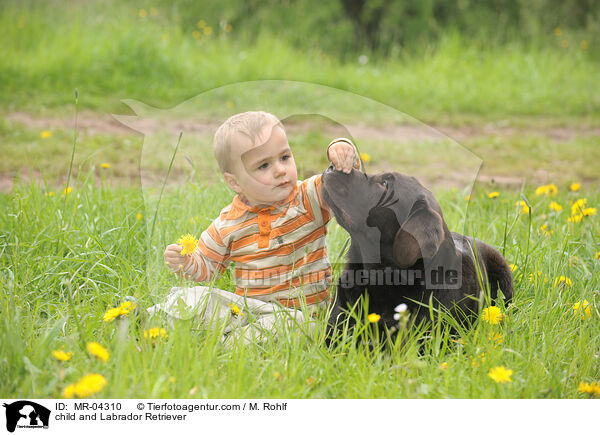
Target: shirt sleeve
(211,257)
(357,162)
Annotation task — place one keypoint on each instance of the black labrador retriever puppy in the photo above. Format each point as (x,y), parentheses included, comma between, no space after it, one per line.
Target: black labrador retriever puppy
(402,251)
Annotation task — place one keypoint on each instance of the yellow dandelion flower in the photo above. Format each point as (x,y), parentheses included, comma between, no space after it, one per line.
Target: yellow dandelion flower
(201,23)
(492,315)
(172,380)
(493,195)
(555,206)
(365,157)
(545,229)
(138,216)
(500,374)
(228,28)
(67,191)
(444,365)
(154,333)
(142,13)
(89,384)
(51,193)
(563,279)
(578,206)
(583,308)
(97,350)
(188,242)
(575,187)
(589,388)
(122,310)
(196,34)
(105,165)
(558,31)
(235,310)
(310,380)
(373,318)
(575,218)
(590,211)
(597,256)
(61,355)
(468,198)
(277,376)
(564,43)
(522,205)
(45,134)
(547,189)
(584,45)
(513,267)
(111,314)
(230,105)
(127,307)
(69,391)
(207,30)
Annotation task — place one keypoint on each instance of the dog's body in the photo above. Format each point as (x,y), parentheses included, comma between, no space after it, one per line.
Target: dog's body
(402,251)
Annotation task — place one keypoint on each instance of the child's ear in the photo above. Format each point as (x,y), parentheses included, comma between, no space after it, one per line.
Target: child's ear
(232,182)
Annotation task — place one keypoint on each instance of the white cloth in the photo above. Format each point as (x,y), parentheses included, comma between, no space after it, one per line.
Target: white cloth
(239,317)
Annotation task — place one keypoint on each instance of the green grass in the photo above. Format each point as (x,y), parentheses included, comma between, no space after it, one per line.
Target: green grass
(109,53)
(65,261)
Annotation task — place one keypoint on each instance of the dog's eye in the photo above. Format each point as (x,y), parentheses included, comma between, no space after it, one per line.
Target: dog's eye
(384,183)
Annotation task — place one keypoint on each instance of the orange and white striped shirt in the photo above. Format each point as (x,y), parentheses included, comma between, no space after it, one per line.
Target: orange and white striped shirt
(279,251)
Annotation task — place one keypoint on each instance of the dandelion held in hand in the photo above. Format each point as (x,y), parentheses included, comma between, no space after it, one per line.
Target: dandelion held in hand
(188,243)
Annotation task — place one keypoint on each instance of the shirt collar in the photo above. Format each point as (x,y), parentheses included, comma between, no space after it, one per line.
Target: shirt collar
(238,207)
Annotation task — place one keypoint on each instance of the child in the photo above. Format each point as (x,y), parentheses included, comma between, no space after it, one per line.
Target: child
(274,232)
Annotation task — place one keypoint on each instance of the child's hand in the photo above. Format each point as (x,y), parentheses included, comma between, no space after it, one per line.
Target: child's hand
(173,257)
(341,154)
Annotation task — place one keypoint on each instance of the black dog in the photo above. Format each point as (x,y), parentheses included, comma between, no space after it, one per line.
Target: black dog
(402,251)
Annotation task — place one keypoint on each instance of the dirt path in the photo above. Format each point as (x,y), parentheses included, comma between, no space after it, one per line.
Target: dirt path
(101,123)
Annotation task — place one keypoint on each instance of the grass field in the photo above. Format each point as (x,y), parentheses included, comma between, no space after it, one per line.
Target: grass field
(111,51)
(67,259)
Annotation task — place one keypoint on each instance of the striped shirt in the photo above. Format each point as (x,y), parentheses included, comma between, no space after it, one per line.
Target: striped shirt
(279,251)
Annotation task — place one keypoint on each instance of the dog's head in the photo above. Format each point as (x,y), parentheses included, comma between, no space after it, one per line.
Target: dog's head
(391,217)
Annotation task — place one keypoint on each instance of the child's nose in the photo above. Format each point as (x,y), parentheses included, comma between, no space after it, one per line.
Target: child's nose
(279,169)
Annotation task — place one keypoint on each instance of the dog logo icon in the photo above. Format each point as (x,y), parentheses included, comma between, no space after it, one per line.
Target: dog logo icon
(26,414)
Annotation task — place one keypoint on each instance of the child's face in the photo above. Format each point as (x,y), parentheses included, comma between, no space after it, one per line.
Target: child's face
(264,171)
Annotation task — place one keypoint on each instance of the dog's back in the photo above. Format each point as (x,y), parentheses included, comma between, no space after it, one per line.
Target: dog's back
(491,262)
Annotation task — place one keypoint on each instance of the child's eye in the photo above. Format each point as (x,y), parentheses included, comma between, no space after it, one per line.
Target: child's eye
(286,157)
(263,166)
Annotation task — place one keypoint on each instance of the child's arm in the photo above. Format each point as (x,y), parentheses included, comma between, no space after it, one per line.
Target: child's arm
(210,257)
(344,155)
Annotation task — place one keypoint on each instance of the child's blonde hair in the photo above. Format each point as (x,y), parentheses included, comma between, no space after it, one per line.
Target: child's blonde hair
(249,124)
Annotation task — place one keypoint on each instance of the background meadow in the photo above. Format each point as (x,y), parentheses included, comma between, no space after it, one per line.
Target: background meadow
(514,83)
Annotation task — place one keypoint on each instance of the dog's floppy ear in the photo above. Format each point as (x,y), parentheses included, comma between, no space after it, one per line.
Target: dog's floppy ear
(420,236)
